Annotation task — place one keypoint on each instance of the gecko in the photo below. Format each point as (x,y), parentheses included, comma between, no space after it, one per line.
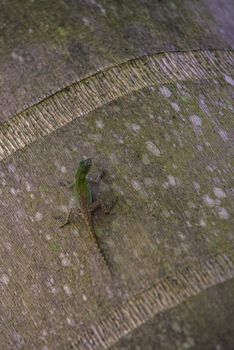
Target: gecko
(83,195)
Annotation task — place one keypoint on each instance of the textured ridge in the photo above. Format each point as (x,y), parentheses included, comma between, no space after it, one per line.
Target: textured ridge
(164,294)
(97,90)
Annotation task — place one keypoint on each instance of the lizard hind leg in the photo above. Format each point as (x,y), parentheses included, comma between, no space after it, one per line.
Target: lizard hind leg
(70,218)
(99,204)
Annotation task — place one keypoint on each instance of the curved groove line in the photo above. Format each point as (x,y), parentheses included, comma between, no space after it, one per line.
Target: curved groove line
(165,294)
(105,86)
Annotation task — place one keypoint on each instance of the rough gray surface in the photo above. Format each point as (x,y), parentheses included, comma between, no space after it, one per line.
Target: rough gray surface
(161,126)
(45,46)
(203,322)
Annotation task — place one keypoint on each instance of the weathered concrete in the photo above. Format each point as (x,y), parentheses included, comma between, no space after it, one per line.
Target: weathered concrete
(203,322)
(45,46)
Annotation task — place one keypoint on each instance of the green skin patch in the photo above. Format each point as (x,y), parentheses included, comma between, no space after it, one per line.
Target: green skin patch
(82,188)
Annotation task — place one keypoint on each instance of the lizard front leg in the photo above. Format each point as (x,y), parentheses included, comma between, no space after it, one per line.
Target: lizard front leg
(100,204)
(96,181)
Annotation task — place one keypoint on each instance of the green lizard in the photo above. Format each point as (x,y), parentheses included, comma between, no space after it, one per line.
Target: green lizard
(83,194)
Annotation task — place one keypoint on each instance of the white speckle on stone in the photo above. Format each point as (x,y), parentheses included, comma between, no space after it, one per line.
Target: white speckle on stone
(223,134)
(7,245)
(148,182)
(114,158)
(179,86)
(195,120)
(11,168)
(219,192)
(17,57)
(176,327)
(13,191)
(166,213)
(72,202)
(84,297)
(165,185)
(51,280)
(121,141)
(2,174)
(100,6)
(202,223)
(28,186)
(4,280)
(38,216)
(204,107)
(96,137)
(136,185)
(67,290)
(48,237)
(135,127)
(64,208)
(100,124)
(200,148)
(191,205)
(175,106)
(76,232)
(71,322)
(209,168)
(172,180)
(66,261)
(4,182)
(54,290)
(145,159)
(56,163)
(208,201)
(63,169)
(165,91)
(153,148)
(223,213)
(188,223)
(17,177)
(188,344)
(86,21)
(44,333)
(229,80)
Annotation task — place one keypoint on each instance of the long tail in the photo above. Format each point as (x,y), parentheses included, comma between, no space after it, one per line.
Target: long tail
(98,248)
(93,250)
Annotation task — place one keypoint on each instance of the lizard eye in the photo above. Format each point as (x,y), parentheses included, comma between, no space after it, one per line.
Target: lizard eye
(85,164)
(88,162)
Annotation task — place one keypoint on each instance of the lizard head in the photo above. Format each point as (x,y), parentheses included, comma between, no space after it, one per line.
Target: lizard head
(83,167)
